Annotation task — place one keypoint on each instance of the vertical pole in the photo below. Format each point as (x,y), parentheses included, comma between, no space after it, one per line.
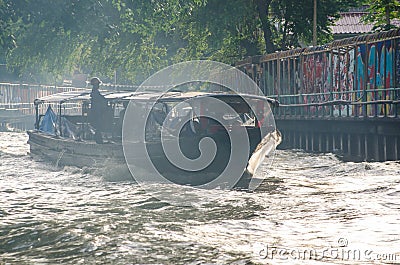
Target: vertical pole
(319,143)
(59,120)
(294,139)
(278,77)
(365,147)
(315,24)
(312,141)
(300,141)
(384,148)
(28,99)
(376,147)
(341,142)
(307,135)
(366,82)
(270,80)
(327,142)
(355,82)
(262,78)
(349,144)
(289,75)
(37,116)
(273,77)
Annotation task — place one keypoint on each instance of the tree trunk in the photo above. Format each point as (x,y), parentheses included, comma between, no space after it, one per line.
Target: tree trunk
(263,12)
(387,14)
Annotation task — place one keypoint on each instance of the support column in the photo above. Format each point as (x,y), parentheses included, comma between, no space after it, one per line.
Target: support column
(319,143)
(349,144)
(312,141)
(341,142)
(376,147)
(307,149)
(300,141)
(385,149)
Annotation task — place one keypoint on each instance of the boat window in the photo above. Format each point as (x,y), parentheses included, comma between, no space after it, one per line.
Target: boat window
(179,114)
(172,116)
(183,109)
(175,112)
(242,115)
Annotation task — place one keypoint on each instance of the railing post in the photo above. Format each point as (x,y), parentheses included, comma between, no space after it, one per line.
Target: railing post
(385,106)
(37,116)
(279,109)
(301,102)
(396,98)
(59,120)
(331,100)
(364,100)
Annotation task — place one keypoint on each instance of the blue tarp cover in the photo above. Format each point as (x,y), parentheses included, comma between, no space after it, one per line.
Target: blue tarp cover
(50,125)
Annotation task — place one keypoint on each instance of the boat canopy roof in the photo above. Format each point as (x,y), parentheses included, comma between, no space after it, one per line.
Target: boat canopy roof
(84,95)
(78,95)
(63,96)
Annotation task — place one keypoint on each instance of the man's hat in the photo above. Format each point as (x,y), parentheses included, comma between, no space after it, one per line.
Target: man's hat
(95,81)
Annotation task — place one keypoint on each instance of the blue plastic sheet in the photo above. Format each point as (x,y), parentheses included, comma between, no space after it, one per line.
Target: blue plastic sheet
(48,123)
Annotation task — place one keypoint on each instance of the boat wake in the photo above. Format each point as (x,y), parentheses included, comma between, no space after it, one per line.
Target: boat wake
(113,172)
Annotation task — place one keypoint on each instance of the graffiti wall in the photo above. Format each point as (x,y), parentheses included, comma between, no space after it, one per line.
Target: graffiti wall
(354,70)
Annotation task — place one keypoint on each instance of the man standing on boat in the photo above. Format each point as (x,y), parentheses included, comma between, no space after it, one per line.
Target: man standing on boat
(98,110)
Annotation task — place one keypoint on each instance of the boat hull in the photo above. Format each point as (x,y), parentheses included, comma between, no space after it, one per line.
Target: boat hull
(68,152)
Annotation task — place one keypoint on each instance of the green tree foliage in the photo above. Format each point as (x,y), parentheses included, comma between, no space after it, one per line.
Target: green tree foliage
(289,23)
(137,38)
(7,18)
(382,13)
(59,36)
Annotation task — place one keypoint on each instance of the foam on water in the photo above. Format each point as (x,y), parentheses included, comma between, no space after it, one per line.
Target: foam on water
(85,216)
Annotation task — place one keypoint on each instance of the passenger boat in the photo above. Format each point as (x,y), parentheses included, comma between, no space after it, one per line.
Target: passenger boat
(64,135)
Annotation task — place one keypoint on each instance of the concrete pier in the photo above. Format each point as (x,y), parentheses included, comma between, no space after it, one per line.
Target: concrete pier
(352,139)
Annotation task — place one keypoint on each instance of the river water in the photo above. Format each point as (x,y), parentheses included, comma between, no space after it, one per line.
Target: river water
(311,209)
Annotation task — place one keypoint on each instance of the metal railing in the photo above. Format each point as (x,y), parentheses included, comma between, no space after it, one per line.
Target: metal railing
(19,97)
(370,103)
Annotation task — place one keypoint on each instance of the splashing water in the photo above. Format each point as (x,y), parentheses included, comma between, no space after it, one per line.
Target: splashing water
(309,202)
